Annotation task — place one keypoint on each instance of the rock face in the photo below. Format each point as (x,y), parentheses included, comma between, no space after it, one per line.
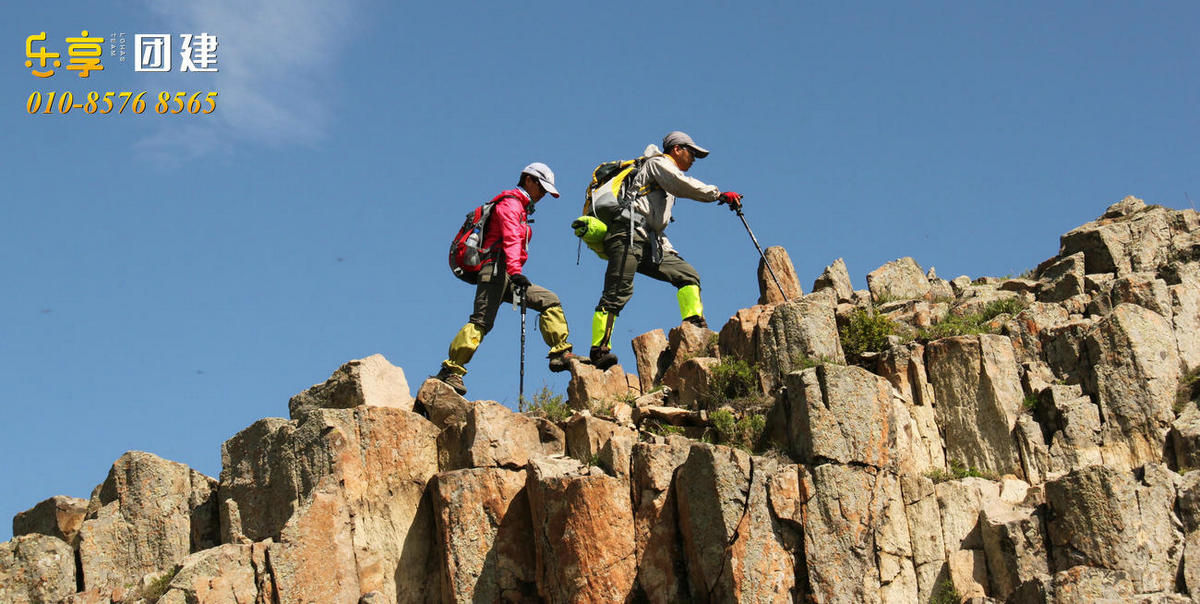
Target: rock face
(1047,459)
(485,532)
(977,386)
(36,568)
(148,515)
(583,533)
(349,482)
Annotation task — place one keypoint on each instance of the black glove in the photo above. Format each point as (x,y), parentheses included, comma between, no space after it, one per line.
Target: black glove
(733,199)
(519,281)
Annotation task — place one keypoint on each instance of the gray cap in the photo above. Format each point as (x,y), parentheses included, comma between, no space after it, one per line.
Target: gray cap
(681,138)
(544,175)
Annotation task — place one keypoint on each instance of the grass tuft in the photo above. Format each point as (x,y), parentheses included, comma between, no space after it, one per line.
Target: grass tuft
(545,403)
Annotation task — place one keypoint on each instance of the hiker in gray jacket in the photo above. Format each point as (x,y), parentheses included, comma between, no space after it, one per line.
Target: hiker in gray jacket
(659,180)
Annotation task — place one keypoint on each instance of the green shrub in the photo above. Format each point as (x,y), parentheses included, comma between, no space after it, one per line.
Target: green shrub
(1030,403)
(995,308)
(957,471)
(953,325)
(742,433)
(546,404)
(158,586)
(972,324)
(733,378)
(945,593)
(804,361)
(866,332)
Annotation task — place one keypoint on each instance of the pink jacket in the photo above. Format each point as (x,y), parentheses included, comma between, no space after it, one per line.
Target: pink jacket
(508,228)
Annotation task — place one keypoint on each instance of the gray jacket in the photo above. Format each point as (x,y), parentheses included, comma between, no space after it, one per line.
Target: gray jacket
(666,182)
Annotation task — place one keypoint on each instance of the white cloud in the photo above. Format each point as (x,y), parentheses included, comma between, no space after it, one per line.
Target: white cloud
(276,60)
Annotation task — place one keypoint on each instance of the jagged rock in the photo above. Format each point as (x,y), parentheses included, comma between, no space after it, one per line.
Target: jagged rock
(1077,443)
(857,544)
(36,568)
(59,516)
(1185,438)
(1065,349)
(900,279)
(841,414)
(1134,374)
(648,351)
(978,298)
(729,536)
(227,573)
(1025,330)
(583,532)
(1090,584)
(1185,310)
(960,284)
(1188,501)
(1016,550)
(1142,289)
(144,518)
(836,279)
(967,571)
(616,454)
(796,330)
(1062,278)
(442,405)
(587,435)
(1128,206)
(657,541)
(1032,449)
(492,436)
(1141,241)
(695,384)
(1191,562)
(373,464)
(371,381)
(739,337)
(977,386)
(684,343)
(941,289)
(671,415)
(485,533)
(904,367)
(925,531)
(960,502)
(590,388)
(1100,517)
(1020,286)
(314,560)
(781,263)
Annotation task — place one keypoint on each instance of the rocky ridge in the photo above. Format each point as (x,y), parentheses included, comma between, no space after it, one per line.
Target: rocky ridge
(1020,439)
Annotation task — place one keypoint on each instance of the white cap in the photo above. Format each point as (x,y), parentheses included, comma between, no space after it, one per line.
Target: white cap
(544,175)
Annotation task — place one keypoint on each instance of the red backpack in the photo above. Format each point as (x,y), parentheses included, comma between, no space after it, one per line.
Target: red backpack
(466,255)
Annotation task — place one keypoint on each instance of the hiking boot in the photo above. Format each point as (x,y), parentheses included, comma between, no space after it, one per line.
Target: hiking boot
(698,321)
(559,361)
(452,380)
(602,358)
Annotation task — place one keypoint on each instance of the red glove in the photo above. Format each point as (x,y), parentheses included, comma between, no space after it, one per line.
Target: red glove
(733,199)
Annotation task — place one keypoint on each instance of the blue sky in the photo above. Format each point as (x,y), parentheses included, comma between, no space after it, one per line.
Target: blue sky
(171,279)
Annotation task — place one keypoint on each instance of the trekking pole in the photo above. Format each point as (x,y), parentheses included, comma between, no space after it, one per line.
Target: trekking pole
(521,386)
(760,253)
